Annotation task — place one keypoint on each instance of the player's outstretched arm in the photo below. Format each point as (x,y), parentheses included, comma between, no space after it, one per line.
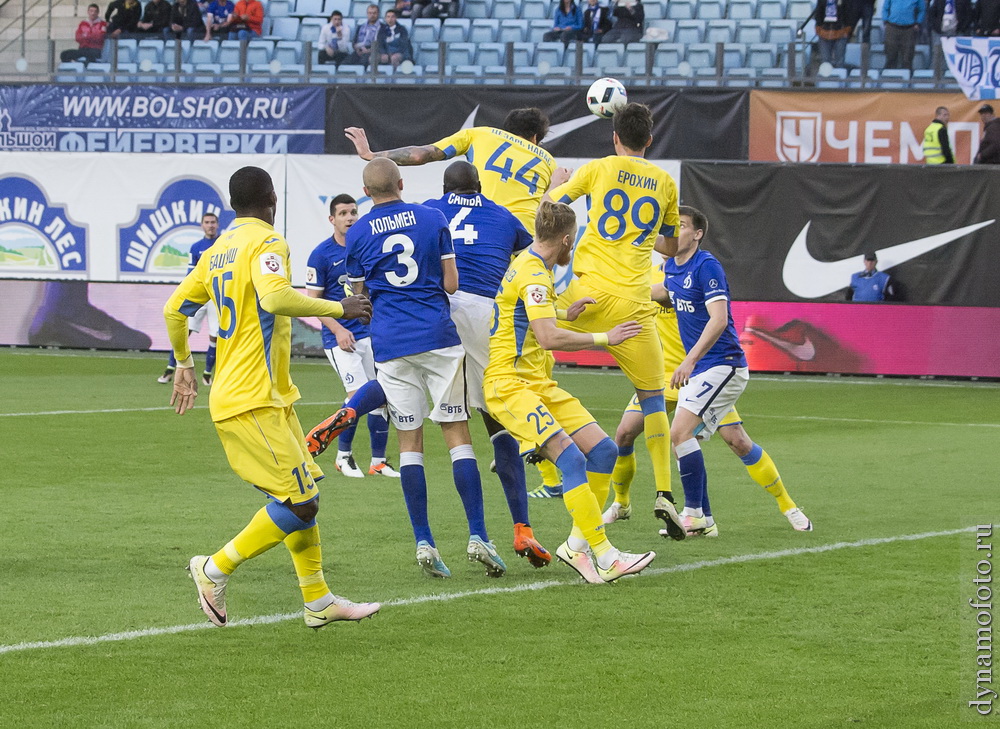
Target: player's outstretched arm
(550,336)
(658,293)
(402,156)
(666,247)
(287,301)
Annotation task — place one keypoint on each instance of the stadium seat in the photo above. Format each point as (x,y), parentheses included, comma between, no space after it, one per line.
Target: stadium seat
(288,52)
(525,76)
(852,55)
(477,9)
(854,78)
(455,30)
(513,31)
(706,77)
(878,31)
(126,50)
(203,52)
(668,55)
(460,54)
(836,79)
(426,53)
(654,9)
(490,54)
(799,9)
(170,52)
(762,55)
(308,8)
(720,31)
(781,31)
(523,54)
(635,55)
(259,51)
(740,77)
(876,58)
(549,53)
(751,31)
(309,29)
(467,74)
(689,31)
(588,54)
(344,6)
(279,8)
(923,79)
(558,76)
(149,49)
(323,74)
(424,30)
(506,9)
(740,9)
(229,53)
(495,75)
(609,54)
(701,55)
(772,78)
(537,30)
(287,29)
(709,9)
(733,55)
(484,30)
(680,10)
(359,9)
(126,71)
(535,9)
(770,9)
(891,78)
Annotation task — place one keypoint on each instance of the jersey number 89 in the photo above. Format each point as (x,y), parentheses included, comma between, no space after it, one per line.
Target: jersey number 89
(617,204)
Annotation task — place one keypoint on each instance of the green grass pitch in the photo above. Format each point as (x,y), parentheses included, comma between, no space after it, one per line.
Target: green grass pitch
(103,509)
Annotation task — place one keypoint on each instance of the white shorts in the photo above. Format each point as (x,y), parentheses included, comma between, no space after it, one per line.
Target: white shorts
(209,311)
(471,314)
(355,368)
(409,381)
(712,394)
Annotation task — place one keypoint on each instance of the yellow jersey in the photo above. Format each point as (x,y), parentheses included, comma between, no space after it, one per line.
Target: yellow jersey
(526,293)
(666,328)
(631,202)
(514,172)
(247,262)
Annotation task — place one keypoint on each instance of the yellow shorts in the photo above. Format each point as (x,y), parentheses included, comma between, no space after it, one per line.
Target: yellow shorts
(732,418)
(533,412)
(266,448)
(641,357)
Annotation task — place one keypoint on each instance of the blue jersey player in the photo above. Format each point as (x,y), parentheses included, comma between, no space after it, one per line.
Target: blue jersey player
(402,253)
(346,342)
(485,237)
(713,374)
(210,227)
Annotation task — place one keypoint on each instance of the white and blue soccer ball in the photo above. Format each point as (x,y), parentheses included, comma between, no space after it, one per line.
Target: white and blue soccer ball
(606,96)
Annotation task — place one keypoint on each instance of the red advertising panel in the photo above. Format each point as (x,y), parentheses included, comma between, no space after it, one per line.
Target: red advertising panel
(789,126)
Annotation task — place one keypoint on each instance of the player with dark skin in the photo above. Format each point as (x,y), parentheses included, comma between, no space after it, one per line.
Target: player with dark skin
(186,384)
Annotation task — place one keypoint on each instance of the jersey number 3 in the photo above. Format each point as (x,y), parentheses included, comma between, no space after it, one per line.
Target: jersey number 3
(403,258)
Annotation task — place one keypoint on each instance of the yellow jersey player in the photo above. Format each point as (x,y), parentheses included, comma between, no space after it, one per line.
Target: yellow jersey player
(246,275)
(632,211)
(521,394)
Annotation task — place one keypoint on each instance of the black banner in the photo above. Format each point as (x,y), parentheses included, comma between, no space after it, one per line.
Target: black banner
(796,232)
(690,123)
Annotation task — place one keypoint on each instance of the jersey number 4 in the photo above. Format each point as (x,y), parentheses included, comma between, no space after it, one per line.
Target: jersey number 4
(467,232)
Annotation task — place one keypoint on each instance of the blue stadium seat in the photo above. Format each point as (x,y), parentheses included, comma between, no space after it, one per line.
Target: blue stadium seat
(635,55)
(524,54)
(878,31)
(680,10)
(490,54)
(923,78)
(477,9)
(619,72)
(876,59)
(537,30)
(460,54)
(359,9)
(751,31)
(455,30)
(706,77)
(852,55)
(309,29)
(921,57)
(259,51)
(323,74)
(720,31)
(467,74)
(773,78)
(424,30)
(525,76)
(588,54)
(431,74)
(495,75)
(854,78)
(740,9)
(710,9)
(426,53)
(126,50)
(654,9)
(740,77)
(151,50)
(279,8)
(550,53)
(170,52)
(513,31)
(308,8)
(733,55)
(781,31)
(890,78)
(836,79)
(700,55)
(668,55)
(609,54)
(506,9)
(126,68)
(535,9)
(288,52)
(203,52)
(799,9)
(762,55)
(689,31)
(229,53)
(558,76)
(287,29)
(344,6)
(770,9)
(484,30)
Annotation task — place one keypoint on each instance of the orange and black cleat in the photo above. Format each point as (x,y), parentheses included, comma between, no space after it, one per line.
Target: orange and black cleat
(526,545)
(320,437)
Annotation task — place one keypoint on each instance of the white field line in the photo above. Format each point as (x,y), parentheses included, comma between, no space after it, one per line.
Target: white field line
(449,596)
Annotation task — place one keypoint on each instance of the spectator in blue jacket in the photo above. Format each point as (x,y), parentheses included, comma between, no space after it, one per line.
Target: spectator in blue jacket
(902,24)
(394,41)
(567,23)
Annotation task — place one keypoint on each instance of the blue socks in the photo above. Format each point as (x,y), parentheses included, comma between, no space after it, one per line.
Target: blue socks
(465,471)
(172,362)
(369,397)
(694,478)
(378,431)
(626,450)
(573,465)
(209,359)
(753,456)
(602,457)
(411,471)
(346,439)
(510,470)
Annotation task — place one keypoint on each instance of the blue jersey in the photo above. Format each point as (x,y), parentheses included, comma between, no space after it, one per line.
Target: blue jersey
(326,271)
(197,249)
(485,236)
(691,286)
(869,287)
(397,249)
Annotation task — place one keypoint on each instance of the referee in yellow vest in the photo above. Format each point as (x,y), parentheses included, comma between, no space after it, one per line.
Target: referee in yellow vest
(937,148)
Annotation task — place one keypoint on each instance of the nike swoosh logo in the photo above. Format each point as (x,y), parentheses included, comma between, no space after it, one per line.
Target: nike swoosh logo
(563,128)
(95,333)
(470,121)
(804,352)
(808,278)
(337,263)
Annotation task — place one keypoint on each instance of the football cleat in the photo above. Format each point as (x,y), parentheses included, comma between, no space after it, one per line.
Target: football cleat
(340,609)
(486,554)
(383,469)
(663,508)
(430,560)
(166,377)
(527,546)
(617,512)
(799,521)
(206,379)
(320,437)
(346,465)
(546,492)
(694,525)
(211,596)
(625,564)
(580,562)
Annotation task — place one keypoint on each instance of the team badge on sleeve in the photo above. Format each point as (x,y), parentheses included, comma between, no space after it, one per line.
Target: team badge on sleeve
(271,263)
(310,275)
(536,294)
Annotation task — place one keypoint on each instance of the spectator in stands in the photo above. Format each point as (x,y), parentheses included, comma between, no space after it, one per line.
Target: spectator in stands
(596,21)
(217,18)
(335,39)
(989,145)
(247,20)
(870,285)
(89,36)
(432,9)
(937,146)
(185,21)
(864,11)
(629,20)
(988,17)
(835,21)
(394,41)
(404,8)
(566,23)
(123,18)
(902,23)
(365,36)
(155,18)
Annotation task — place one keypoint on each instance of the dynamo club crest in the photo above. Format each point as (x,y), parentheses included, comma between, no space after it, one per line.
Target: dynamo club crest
(975,63)
(37,238)
(157,245)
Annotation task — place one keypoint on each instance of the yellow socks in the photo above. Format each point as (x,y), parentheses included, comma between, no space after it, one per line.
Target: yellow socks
(621,477)
(307,557)
(549,473)
(600,485)
(582,507)
(657,429)
(762,470)
(256,538)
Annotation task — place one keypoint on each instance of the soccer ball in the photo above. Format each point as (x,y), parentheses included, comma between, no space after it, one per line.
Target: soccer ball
(606,96)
